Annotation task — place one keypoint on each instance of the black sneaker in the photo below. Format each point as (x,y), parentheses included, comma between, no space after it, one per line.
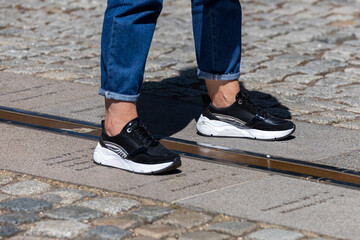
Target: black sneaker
(242,119)
(135,150)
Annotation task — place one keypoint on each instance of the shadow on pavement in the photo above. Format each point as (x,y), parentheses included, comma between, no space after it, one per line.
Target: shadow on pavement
(167,107)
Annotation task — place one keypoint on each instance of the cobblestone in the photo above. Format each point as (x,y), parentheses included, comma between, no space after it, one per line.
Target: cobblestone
(115,216)
(5,180)
(58,229)
(233,228)
(25,205)
(123,222)
(145,238)
(73,213)
(158,231)
(4,196)
(355,125)
(65,196)
(106,233)
(152,213)
(29,238)
(111,205)
(19,218)
(284,43)
(188,219)
(8,230)
(203,235)
(26,188)
(274,234)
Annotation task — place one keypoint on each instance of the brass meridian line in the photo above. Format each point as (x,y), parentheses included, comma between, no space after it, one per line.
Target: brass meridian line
(224,156)
(47,122)
(265,163)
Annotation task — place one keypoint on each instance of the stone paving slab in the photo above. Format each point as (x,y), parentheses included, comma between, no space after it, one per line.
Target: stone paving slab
(300,59)
(310,142)
(76,165)
(286,201)
(214,226)
(52,97)
(235,191)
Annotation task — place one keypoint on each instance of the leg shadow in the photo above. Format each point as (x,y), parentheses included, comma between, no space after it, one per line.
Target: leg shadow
(167,107)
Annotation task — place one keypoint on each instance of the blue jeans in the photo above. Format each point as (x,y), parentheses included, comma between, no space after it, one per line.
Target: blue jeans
(128,30)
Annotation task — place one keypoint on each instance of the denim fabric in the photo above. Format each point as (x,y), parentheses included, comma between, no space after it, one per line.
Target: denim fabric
(217,34)
(128,30)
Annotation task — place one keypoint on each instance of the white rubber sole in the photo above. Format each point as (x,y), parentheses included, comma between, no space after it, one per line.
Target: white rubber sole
(106,157)
(217,128)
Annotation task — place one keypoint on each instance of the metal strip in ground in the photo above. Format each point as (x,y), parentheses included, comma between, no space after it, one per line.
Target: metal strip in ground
(200,151)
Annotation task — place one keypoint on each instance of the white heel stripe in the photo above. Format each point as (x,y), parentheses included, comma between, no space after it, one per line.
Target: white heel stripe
(114,160)
(222,129)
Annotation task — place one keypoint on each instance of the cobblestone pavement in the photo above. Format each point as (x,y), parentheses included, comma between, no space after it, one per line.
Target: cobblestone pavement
(37,209)
(300,58)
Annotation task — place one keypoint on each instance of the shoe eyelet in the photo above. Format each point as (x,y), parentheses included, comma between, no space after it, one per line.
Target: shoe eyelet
(240,101)
(128,130)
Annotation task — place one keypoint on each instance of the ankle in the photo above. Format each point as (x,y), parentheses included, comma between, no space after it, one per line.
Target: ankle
(222,93)
(114,126)
(117,115)
(222,100)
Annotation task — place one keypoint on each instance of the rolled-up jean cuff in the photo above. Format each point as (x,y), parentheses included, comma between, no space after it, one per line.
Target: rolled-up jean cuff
(211,76)
(117,96)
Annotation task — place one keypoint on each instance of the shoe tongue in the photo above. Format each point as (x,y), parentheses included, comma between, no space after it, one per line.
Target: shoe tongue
(251,107)
(143,135)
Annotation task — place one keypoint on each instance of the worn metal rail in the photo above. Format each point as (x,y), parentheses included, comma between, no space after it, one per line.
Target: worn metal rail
(199,151)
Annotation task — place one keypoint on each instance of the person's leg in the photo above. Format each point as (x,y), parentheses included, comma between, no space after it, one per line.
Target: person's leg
(125,143)
(127,33)
(217,33)
(227,111)
(118,114)
(222,93)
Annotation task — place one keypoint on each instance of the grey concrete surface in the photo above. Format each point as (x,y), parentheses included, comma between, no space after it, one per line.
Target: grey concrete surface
(60,98)
(255,195)
(285,201)
(63,157)
(300,59)
(174,118)
(310,143)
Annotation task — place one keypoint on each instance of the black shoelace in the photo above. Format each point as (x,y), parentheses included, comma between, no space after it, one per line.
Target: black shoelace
(247,101)
(142,133)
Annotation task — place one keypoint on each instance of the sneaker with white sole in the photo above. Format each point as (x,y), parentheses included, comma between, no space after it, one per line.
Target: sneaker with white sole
(242,119)
(135,150)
